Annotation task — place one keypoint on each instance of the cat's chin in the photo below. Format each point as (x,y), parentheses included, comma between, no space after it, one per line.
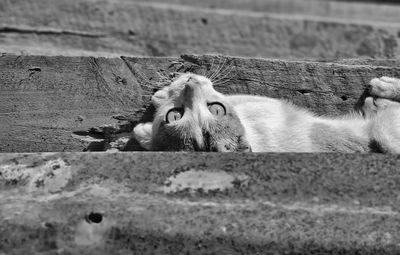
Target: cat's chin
(241,145)
(248,149)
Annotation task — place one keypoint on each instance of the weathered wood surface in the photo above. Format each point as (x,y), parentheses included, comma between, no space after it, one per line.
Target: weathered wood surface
(201,203)
(392,2)
(44,99)
(351,10)
(113,27)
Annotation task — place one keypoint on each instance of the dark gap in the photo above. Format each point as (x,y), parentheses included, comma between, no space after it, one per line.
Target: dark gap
(360,102)
(35,69)
(375,147)
(47,32)
(55,167)
(344,98)
(204,21)
(131,32)
(95,146)
(94,217)
(92,132)
(304,91)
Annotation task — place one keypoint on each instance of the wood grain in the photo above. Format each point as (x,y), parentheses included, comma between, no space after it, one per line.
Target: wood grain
(280,203)
(365,10)
(108,28)
(43,97)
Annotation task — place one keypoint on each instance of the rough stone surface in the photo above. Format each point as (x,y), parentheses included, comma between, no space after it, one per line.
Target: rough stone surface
(102,203)
(43,100)
(113,27)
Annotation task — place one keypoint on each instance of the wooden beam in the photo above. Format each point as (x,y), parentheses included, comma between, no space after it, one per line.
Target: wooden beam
(109,28)
(43,100)
(366,10)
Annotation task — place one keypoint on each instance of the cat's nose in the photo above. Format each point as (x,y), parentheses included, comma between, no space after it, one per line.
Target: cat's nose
(192,81)
(191,86)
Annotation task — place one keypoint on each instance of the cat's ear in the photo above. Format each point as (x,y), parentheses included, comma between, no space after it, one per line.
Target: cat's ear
(159,97)
(142,133)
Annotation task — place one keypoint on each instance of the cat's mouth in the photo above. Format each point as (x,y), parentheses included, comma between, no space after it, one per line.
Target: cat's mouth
(206,143)
(222,145)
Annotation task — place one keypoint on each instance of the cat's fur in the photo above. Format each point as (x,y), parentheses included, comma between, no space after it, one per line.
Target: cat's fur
(263,124)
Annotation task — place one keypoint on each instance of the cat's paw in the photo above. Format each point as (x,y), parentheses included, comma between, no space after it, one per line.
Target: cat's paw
(373,105)
(385,87)
(142,133)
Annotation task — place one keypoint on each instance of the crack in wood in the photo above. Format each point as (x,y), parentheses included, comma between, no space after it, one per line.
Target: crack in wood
(48,31)
(302,91)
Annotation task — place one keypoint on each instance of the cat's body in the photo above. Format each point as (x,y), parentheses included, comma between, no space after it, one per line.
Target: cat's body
(191,115)
(278,126)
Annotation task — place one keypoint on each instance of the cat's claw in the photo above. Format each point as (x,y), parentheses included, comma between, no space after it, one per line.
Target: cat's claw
(385,87)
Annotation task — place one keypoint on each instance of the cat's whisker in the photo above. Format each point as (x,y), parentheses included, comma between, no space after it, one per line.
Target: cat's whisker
(227,70)
(212,68)
(223,81)
(224,66)
(219,68)
(225,73)
(216,70)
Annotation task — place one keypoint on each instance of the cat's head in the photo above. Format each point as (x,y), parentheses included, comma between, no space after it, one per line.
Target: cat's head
(192,116)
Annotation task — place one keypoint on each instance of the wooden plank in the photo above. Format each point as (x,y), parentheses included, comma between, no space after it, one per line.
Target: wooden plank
(197,203)
(378,10)
(44,99)
(160,29)
(392,2)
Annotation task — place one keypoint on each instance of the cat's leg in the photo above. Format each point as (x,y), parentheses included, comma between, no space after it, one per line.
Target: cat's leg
(384,109)
(373,105)
(385,129)
(385,92)
(143,134)
(385,87)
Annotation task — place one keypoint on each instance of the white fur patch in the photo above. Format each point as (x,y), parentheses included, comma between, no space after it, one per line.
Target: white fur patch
(142,133)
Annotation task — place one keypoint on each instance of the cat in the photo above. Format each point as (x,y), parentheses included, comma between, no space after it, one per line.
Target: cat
(192,116)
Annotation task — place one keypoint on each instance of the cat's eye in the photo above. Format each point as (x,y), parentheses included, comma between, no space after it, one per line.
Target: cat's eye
(217,109)
(174,114)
